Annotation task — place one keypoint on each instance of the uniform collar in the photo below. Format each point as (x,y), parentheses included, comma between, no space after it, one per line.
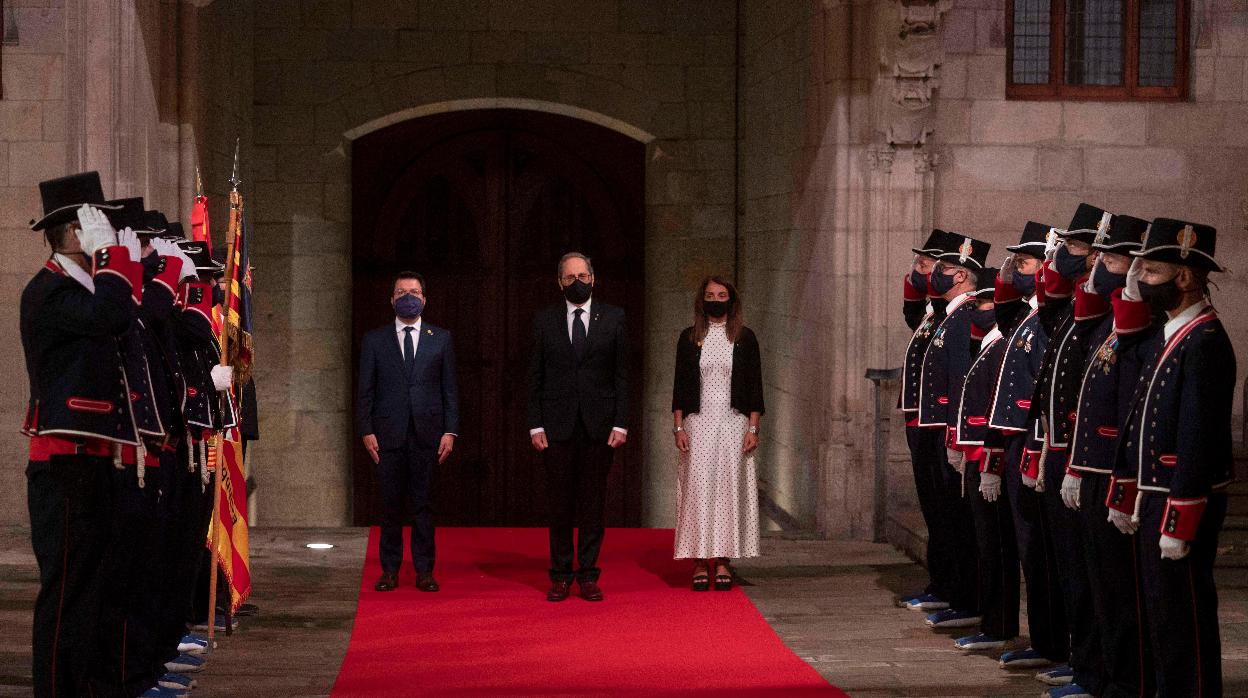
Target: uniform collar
(1033,302)
(75,272)
(993,335)
(1178,321)
(953,304)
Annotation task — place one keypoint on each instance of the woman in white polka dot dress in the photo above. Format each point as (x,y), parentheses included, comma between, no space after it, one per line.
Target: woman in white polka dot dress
(717,401)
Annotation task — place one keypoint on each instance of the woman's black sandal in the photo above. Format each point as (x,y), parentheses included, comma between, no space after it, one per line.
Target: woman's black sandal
(723,582)
(701,582)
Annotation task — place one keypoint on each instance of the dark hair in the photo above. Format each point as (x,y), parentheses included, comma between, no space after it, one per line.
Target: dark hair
(409,275)
(736,318)
(55,235)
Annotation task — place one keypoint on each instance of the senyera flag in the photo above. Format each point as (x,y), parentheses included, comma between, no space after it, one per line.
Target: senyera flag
(238,298)
(233,554)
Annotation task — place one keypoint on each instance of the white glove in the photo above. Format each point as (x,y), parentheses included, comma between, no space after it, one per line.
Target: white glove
(1051,243)
(222,377)
(1172,548)
(1131,291)
(1006,271)
(164,247)
(188,267)
(957,459)
(1123,522)
(1029,482)
(1088,286)
(990,486)
(129,240)
(1070,491)
(94,232)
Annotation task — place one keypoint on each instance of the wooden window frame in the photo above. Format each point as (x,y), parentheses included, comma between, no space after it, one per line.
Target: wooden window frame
(1130,91)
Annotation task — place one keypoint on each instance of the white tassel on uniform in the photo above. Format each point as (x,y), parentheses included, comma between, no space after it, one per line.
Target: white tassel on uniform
(140,462)
(1139,499)
(117,457)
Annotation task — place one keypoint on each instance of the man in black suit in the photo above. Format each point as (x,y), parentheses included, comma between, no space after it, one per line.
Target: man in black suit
(578,407)
(408,413)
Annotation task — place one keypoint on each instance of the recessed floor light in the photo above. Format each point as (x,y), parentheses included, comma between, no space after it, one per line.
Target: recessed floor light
(320,546)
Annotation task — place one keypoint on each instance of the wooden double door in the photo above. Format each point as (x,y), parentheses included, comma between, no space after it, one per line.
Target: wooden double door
(483,204)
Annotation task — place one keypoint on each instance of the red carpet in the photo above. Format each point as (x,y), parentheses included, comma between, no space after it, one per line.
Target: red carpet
(490,631)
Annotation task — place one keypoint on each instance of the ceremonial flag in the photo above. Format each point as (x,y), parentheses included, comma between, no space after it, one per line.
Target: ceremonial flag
(238,299)
(233,549)
(199,222)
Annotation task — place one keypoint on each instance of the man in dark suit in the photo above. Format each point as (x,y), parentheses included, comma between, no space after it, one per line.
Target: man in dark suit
(408,414)
(578,407)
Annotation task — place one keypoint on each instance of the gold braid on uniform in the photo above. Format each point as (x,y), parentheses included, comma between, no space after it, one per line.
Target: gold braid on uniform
(140,461)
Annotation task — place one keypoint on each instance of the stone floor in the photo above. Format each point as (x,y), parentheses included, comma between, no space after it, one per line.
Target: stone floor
(832,602)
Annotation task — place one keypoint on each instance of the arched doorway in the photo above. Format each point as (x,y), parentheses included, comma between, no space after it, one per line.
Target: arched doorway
(483,203)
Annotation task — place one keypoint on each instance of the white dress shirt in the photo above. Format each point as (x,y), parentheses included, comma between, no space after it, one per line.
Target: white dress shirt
(76,272)
(571,317)
(1178,321)
(399,326)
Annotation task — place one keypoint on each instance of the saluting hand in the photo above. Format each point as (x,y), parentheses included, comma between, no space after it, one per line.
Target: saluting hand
(445,447)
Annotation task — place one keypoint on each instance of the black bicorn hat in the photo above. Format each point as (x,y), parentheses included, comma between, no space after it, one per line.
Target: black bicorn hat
(128,214)
(965,251)
(1088,224)
(152,224)
(1034,240)
(198,253)
(936,243)
(1125,235)
(63,196)
(987,283)
(174,231)
(1181,242)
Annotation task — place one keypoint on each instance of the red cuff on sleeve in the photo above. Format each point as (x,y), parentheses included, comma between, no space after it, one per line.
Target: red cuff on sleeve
(115,259)
(908,291)
(1004,291)
(168,272)
(1040,290)
(1122,494)
(1129,316)
(1056,285)
(1089,305)
(1182,517)
(1030,464)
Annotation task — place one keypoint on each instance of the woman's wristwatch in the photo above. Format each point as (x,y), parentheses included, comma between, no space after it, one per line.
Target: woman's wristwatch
(753,428)
(677,430)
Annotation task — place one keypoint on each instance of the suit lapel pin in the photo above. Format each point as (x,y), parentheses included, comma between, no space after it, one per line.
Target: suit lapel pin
(429,332)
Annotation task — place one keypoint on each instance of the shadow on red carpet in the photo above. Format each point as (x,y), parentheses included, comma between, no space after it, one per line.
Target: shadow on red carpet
(491,632)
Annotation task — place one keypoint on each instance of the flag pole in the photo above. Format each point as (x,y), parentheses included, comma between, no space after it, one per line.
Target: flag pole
(223,339)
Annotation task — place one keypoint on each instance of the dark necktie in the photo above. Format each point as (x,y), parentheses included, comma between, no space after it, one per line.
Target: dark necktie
(409,347)
(578,333)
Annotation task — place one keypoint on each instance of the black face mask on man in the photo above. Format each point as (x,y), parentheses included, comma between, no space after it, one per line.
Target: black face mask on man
(942,283)
(218,294)
(1105,282)
(715,309)
(151,266)
(984,319)
(918,281)
(1070,265)
(408,307)
(1024,283)
(1162,297)
(578,292)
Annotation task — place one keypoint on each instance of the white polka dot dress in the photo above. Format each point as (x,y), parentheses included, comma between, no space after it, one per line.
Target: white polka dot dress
(717,487)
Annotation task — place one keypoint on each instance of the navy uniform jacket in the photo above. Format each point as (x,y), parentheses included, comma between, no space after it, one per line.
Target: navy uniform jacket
(156,316)
(945,364)
(1017,381)
(911,374)
(979,391)
(1109,380)
(204,409)
(393,398)
(69,337)
(1177,435)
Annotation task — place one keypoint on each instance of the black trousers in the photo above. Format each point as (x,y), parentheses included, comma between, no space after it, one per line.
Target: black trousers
(187,514)
(132,578)
(405,475)
(576,494)
(1117,601)
(69,498)
(998,559)
(1181,602)
(927,449)
(1065,540)
(1045,620)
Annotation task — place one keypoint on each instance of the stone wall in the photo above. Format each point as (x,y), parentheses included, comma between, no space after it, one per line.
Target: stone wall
(328,72)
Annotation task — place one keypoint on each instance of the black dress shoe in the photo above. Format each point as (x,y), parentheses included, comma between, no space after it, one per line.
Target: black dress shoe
(426,582)
(590,590)
(558,591)
(389,581)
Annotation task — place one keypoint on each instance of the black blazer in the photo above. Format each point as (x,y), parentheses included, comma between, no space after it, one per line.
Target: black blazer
(747,374)
(393,399)
(596,387)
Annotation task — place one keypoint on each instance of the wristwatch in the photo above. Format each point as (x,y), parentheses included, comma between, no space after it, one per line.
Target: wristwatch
(754,429)
(677,430)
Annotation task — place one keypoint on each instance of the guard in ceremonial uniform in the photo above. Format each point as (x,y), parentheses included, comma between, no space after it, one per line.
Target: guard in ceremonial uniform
(1108,381)
(73,313)
(994,527)
(1016,308)
(925,445)
(1174,457)
(943,373)
(1052,415)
